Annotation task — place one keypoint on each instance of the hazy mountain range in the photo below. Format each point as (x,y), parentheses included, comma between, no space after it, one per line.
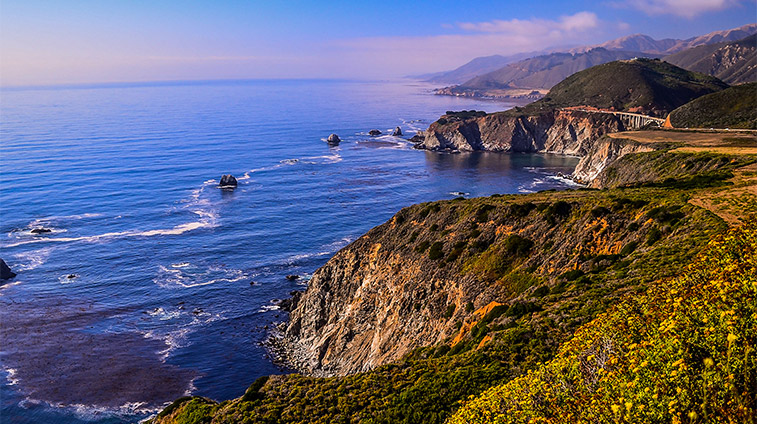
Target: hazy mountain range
(726,54)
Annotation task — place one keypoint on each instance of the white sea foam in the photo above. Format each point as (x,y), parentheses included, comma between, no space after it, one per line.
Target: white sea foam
(163,314)
(27,261)
(187,276)
(11,377)
(208,219)
(69,278)
(325,250)
(566,181)
(311,160)
(266,308)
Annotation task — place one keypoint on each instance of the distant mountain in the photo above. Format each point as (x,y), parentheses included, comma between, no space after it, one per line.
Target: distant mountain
(477,66)
(544,71)
(734,62)
(735,107)
(648,86)
(638,43)
(647,44)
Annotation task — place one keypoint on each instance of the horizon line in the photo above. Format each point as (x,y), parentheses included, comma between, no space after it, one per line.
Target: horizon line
(182,82)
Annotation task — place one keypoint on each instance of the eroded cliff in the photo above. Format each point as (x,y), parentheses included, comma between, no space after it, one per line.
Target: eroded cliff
(553,131)
(412,281)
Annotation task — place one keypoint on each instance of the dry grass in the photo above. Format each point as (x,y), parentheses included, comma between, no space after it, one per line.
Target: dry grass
(693,138)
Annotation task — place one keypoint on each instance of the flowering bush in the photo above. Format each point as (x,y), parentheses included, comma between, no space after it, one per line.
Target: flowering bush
(684,352)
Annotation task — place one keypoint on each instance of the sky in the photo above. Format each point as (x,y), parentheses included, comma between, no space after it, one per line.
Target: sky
(45,42)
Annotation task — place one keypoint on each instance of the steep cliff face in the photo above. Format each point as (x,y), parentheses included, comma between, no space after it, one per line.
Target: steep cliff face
(414,280)
(362,308)
(553,131)
(603,152)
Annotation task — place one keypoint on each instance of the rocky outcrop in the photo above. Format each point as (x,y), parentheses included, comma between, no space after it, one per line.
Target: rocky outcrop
(5,271)
(333,139)
(397,132)
(374,133)
(228,181)
(414,280)
(602,153)
(555,131)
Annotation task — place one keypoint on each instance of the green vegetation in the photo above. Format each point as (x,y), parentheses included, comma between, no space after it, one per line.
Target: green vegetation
(651,86)
(584,306)
(550,280)
(683,353)
(673,169)
(735,107)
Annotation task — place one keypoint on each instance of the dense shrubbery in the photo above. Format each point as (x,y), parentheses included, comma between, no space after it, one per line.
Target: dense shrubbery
(686,352)
(541,307)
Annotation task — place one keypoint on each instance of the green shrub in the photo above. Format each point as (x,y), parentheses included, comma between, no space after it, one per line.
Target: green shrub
(515,245)
(571,275)
(450,310)
(541,291)
(482,215)
(253,392)
(521,210)
(435,251)
(654,235)
(628,248)
(599,211)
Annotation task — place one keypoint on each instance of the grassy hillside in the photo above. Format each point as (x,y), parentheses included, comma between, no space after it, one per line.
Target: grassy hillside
(684,352)
(735,107)
(734,62)
(556,260)
(648,86)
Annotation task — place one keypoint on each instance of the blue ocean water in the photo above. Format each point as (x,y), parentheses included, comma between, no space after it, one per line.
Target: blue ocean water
(152,282)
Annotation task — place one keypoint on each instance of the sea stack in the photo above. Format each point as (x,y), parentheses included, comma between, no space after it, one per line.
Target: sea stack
(228,181)
(333,139)
(397,132)
(5,271)
(374,133)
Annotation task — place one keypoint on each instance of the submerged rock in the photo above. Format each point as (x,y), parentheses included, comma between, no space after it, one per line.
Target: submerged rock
(397,132)
(228,181)
(334,139)
(292,277)
(374,133)
(41,230)
(5,271)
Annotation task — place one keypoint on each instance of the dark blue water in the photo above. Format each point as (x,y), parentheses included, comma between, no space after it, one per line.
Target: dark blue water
(153,283)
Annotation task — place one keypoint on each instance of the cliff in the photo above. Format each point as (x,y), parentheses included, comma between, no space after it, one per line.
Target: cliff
(414,280)
(552,131)
(455,297)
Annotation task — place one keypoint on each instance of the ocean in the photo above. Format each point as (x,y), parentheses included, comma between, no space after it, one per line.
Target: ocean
(153,283)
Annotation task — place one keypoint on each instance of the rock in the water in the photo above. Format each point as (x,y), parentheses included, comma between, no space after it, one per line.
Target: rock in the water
(374,132)
(228,181)
(5,271)
(333,139)
(41,230)
(292,277)
(419,137)
(397,132)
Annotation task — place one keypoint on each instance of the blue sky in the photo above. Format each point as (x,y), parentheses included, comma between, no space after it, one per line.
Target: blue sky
(83,41)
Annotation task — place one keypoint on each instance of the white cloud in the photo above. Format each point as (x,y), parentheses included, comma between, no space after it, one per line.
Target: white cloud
(403,55)
(581,21)
(683,8)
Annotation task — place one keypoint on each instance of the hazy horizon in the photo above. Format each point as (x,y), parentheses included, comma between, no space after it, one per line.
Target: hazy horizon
(51,43)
